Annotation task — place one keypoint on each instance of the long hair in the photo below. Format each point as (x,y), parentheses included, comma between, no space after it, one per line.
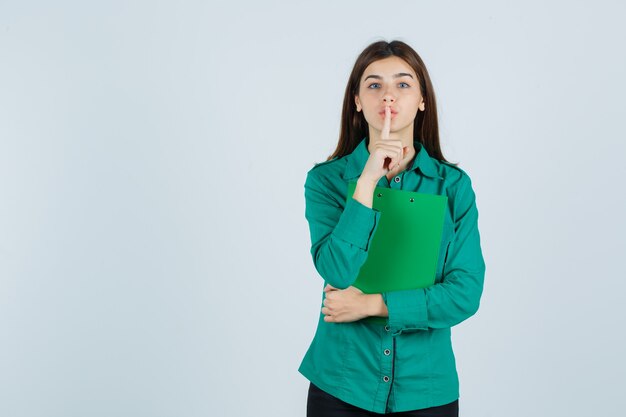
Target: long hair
(354,127)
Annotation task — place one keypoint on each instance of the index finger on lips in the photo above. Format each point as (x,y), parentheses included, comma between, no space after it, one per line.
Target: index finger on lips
(386,124)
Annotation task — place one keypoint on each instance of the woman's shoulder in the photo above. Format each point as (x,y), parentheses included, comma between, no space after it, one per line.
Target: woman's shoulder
(330,169)
(456,177)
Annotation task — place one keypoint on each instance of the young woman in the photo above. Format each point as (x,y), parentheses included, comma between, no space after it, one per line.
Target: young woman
(389,138)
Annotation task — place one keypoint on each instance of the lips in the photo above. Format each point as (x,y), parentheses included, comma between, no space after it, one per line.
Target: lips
(391,116)
(392,112)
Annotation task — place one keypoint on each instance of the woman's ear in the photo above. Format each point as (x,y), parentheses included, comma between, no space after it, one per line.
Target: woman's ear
(358,103)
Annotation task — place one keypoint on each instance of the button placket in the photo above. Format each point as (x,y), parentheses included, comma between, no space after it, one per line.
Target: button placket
(388,358)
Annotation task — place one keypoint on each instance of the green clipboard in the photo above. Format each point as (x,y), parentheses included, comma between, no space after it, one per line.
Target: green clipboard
(404,250)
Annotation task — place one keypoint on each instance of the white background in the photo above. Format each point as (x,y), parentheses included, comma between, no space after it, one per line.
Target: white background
(154,255)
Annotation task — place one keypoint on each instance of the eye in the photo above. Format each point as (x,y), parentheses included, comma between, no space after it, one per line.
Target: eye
(373,84)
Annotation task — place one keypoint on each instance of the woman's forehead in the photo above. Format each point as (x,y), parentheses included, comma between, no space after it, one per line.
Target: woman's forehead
(392,67)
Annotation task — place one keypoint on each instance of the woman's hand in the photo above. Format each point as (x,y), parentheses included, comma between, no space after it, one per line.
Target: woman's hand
(386,154)
(350,304)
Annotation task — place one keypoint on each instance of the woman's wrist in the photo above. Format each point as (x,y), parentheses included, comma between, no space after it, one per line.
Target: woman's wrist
(376,305)
(364,192)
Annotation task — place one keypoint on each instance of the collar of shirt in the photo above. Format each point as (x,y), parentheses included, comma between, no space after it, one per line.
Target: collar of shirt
(358,158)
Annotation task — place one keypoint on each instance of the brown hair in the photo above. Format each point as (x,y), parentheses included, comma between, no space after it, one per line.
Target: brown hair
(354,127)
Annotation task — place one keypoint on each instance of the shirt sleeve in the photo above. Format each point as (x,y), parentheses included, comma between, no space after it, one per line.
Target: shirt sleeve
(340,233)
(457,297)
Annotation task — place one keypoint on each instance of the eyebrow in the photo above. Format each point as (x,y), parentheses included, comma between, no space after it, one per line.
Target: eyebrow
(400,74)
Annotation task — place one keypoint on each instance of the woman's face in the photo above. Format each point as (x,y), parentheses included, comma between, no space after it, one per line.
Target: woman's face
(390,81)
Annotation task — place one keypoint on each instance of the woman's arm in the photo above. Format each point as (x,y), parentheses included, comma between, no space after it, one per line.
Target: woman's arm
(340,237)
(457,297)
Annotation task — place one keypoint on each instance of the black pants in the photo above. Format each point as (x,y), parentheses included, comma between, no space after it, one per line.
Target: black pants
(322,404)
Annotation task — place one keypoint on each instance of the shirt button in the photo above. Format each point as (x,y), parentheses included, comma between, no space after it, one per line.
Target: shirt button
(397,179)
(387,352)
(386,327)
(386,378)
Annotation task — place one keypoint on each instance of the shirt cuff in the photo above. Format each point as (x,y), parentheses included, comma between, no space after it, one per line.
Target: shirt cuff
(407,310)
(357,224)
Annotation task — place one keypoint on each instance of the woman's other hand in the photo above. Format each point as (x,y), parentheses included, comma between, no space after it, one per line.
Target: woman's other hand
(346,305)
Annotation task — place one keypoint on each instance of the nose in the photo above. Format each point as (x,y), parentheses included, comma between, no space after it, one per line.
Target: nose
(388,99)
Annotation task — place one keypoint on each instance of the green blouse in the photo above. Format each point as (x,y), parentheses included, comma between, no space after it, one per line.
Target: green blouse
(408,363)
